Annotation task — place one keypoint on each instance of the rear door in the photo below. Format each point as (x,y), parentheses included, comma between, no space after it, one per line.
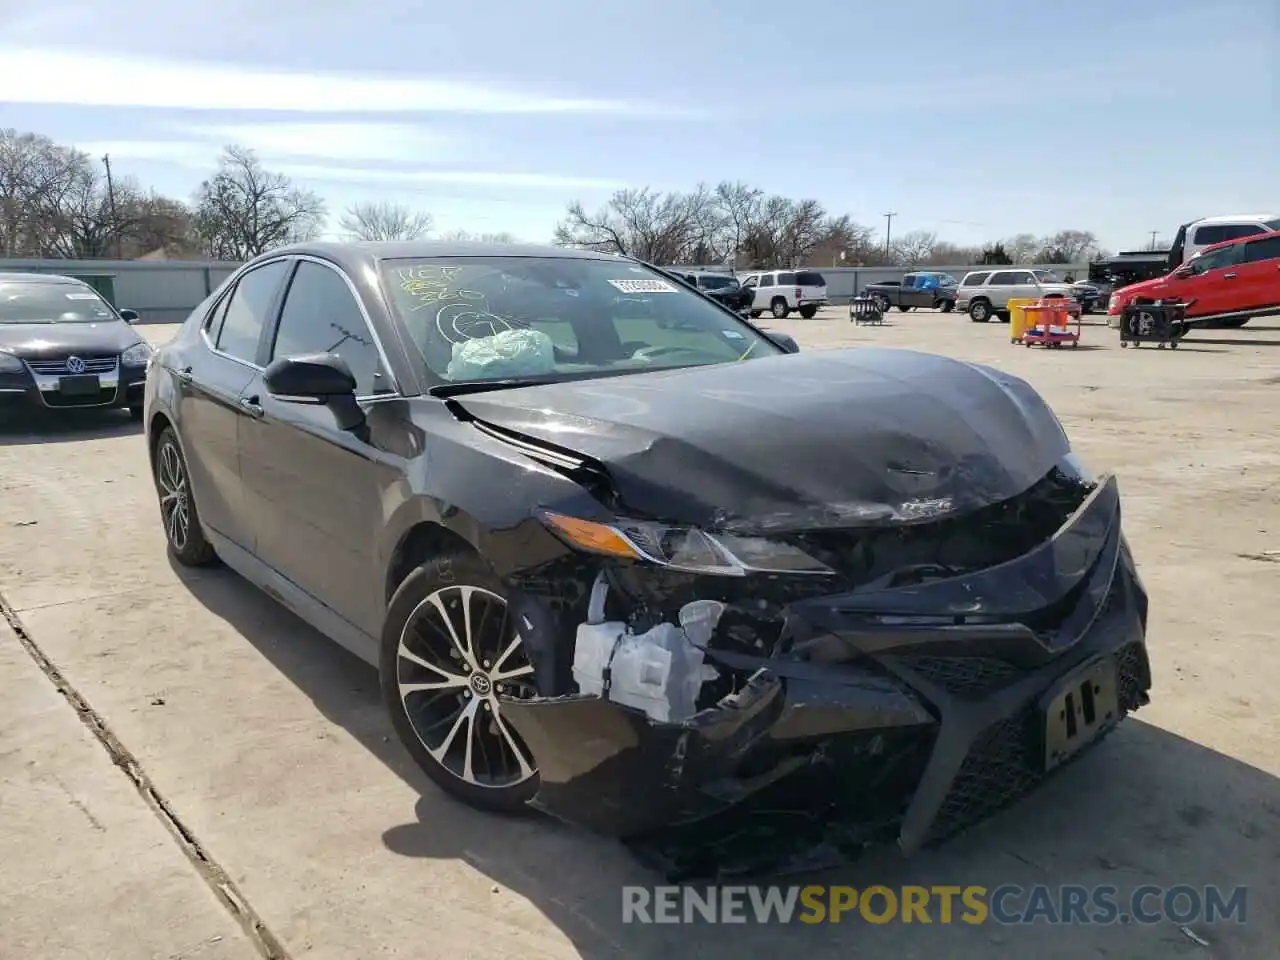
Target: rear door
(210,388)
(315,491)
(813,286)
(1259,273)
(1004,284)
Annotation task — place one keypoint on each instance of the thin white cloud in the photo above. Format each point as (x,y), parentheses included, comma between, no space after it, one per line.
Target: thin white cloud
(348,142)
(412,178)
(85,78)
(203,156)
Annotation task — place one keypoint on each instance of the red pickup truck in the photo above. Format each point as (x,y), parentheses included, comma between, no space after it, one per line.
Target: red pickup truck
(1231,283)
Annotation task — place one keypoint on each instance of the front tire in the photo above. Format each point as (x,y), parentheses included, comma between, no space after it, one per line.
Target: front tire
(980,311)
(450,654)
(178,512)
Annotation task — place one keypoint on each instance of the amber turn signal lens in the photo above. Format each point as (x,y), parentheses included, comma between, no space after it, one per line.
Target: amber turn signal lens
(587,535)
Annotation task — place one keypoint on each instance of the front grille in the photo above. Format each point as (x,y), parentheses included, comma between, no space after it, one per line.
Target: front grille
(58,368)
(54,399)
(1007,759)
(908,553)
(965,676)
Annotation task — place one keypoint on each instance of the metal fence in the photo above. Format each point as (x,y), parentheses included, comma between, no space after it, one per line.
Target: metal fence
(163,291)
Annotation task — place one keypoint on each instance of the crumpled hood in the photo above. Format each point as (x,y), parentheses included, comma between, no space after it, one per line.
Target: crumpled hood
(38,341)
(820,439)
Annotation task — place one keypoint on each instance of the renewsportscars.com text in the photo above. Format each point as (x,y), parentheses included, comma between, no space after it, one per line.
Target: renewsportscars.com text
(1007,904)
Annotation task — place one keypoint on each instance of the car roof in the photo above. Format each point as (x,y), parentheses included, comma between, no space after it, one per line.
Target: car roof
(49,278)
(1236,218)
(1231,243)
(359,254)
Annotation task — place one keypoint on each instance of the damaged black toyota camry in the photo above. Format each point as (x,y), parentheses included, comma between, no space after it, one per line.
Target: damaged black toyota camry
(623,557)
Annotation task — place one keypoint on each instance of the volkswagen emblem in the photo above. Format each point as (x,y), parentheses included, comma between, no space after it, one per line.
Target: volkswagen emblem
(76,365)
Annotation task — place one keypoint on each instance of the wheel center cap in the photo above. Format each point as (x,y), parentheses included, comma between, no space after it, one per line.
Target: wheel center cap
(481,685)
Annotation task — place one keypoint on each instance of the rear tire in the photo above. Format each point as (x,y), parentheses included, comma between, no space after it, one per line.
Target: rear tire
(779,308)
(946,306)
(980,311)
(808,312)
(178,512)
(447,627)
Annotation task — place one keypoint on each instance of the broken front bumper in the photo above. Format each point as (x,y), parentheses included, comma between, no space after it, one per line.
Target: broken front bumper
(911,712)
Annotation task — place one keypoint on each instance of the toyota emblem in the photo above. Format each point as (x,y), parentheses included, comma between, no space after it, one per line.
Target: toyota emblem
(76,365)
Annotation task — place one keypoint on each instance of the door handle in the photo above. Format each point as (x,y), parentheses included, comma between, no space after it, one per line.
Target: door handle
(251,406)
(1228,276)
(184,376)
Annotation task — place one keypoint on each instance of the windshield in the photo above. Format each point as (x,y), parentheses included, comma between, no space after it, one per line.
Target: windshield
(51,303)
(478,319)
(1046,276)
(717,283)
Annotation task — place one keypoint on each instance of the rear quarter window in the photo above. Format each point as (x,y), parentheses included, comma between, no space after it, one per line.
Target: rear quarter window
(810,278)
(787,280)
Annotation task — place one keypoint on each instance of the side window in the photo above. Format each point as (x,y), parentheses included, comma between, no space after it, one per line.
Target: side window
(766,280)
(750,281)
(786,279)
(247,309)
(1258,250)
(1215,260)
(213,322)
(909,282)
(1207,235)
(321,315)
(975,280)
(1003,277)
(1022,277)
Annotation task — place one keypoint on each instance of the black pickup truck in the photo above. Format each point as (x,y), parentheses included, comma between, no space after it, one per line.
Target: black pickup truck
(936,290)
(722,287)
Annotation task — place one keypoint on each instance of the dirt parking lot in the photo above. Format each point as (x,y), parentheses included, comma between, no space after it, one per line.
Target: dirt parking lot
(256,747)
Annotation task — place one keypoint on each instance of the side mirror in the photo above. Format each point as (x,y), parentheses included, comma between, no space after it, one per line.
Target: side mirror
(318,378)
(129,316)
(785,341)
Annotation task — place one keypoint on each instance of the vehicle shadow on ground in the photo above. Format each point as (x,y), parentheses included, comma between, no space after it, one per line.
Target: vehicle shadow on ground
(1147,807)
(65,427)
(1234,342)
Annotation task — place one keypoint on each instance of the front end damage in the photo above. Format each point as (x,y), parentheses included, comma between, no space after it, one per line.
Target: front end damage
(781,721)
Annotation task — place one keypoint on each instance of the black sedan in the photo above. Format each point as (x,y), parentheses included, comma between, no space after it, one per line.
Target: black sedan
(63,347)
(618,557)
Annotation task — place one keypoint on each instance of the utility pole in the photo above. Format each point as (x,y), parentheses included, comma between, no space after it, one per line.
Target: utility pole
(1154,234)
(888,231)
(111,199)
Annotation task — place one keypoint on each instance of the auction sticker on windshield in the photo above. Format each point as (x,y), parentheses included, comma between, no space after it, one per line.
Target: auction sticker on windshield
(643,286)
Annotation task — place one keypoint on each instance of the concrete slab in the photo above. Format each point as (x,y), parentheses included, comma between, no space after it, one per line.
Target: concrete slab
(88,870)
(271,743)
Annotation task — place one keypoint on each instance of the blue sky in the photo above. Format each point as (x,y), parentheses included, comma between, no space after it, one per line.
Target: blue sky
(975,120)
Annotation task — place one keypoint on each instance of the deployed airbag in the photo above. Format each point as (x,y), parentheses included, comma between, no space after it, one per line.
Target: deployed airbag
(511,353)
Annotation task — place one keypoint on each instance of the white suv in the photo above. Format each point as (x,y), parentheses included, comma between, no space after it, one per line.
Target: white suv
(780,292)
(987,292)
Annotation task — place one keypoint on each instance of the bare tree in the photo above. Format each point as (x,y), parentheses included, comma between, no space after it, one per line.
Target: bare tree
(466,236)
(36,176)
(656,227)
(915,248)
(244,210)
(384,221)
(1068,246)
(1023,247)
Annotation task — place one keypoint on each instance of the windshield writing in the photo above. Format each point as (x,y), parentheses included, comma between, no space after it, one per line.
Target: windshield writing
(499,318)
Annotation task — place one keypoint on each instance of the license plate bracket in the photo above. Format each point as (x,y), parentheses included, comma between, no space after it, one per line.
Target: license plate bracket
(83,385)
(1079,710)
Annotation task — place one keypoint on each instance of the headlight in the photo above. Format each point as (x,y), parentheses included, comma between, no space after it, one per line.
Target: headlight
(137,355)
(683,548)
(9,363)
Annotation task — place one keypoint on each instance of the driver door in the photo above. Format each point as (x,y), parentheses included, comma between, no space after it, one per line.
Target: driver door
(315,490)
